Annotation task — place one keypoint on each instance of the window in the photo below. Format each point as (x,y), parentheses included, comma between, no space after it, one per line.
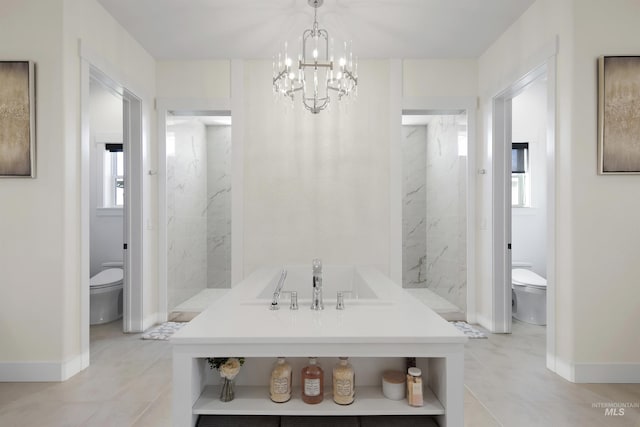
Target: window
(520,176)
(113,180)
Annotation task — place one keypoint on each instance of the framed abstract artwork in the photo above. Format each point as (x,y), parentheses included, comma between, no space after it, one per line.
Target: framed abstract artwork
(17,119)
(619,115)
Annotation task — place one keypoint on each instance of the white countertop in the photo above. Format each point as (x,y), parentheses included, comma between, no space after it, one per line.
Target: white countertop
(395,317)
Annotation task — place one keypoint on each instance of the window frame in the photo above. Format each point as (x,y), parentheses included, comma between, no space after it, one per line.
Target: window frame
(111,155)
(521,177)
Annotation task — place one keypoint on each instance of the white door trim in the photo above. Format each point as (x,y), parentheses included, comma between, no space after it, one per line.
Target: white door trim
(133,308)
(501,203)
(501,243)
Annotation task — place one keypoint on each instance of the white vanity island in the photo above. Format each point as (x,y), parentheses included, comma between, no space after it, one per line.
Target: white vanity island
(380,326)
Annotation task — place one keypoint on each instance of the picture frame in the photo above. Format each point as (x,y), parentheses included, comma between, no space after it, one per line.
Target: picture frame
(618,115)
(17,119)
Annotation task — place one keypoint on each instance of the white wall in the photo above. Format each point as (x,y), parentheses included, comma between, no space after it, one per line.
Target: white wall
(317,185)
(107,234)
(440,78)
(189,80)
(596,217)
(529,225)
(32,301)
(43,224)
(604,264)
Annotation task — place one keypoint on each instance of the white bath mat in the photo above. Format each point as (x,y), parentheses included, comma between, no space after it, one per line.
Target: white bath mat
(469,330)
(163,331)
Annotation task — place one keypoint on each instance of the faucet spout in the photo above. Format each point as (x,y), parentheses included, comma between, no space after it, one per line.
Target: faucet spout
(316,301)
(276,293)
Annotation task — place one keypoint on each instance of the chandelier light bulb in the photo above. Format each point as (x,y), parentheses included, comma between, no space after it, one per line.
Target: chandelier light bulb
(287,62)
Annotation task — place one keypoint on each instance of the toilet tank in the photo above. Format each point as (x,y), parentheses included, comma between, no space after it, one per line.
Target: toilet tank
(521,264)
(112,264)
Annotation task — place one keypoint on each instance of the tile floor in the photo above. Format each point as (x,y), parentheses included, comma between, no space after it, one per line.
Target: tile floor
(129,384)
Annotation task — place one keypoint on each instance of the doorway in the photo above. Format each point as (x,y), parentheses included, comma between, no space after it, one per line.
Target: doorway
(107,204)
(121,183)
(197,210)
(434,209)
(505,189)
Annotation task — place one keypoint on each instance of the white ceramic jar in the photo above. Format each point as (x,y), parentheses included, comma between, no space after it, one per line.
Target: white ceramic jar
(394,385)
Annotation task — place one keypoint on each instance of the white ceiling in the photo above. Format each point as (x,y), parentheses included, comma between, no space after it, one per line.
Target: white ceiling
(209,29)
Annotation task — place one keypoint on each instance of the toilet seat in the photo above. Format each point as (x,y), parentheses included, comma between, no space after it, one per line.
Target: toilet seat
(107,278)
(527,278)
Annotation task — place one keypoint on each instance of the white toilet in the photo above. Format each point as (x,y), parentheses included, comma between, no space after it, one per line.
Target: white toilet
(106,294)
(529,296)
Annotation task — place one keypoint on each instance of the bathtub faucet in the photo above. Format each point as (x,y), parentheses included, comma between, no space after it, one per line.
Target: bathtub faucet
(316,302)
(276,293)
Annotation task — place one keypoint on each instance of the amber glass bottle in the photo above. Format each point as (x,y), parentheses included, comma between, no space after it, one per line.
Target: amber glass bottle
(312,382)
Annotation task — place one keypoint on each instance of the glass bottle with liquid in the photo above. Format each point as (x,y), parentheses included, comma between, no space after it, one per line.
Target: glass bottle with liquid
(312,382)
(280,385)
(343,382)
(414,387)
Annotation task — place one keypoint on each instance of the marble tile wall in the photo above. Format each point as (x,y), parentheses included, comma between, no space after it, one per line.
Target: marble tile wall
(414,207)
(434,209)
(446,212)
(186,211)
(218,206)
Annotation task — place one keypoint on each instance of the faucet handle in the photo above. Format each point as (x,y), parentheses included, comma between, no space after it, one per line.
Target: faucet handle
(340,298)
(293,305)
(316,263)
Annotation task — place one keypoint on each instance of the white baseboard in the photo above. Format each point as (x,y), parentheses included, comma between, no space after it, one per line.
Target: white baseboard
(607,373)
(566,370)
(149,321)
(40,371)
(485,322)
(601,373)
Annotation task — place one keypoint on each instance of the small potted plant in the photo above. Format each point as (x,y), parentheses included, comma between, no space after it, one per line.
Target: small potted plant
(228,367)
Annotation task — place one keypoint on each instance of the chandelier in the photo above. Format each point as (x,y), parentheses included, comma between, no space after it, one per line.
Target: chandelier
(316,73)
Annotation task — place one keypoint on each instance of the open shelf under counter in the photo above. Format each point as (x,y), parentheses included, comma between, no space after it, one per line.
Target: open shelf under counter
(376,335)
(254,400)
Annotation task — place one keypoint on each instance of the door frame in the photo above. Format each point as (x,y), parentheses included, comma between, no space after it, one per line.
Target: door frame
(448,104)
(501,203)
(94,66)
(233,104)
(133,319)
(213,107)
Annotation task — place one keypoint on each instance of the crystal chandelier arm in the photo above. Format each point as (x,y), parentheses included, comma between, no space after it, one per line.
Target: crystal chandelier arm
(351,76)
(282,74)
